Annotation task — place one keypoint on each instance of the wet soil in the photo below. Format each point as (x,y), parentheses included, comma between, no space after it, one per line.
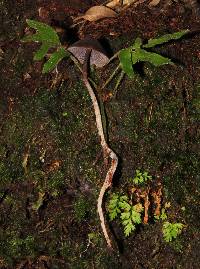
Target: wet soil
(51,166)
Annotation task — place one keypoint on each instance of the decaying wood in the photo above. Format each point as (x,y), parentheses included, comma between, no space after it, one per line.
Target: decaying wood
(146,207)
(157,195)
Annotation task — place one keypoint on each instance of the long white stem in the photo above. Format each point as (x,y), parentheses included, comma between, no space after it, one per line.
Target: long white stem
(108,152)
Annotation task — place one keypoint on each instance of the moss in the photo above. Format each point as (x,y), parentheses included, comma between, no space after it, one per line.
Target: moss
(13,247)
(56,181)
(81,208)
(65,249)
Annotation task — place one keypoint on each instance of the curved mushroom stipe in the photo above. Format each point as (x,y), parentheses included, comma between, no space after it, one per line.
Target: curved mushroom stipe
(108,152)
(107,184)
(98,55)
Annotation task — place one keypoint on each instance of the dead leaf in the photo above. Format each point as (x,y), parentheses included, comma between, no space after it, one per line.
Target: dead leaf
(98,12)
(154,3)
(129,2)
(113,3)
(167,205)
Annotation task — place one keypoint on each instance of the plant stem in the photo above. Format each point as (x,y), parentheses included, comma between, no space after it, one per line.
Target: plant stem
(76,62)
(111,77)
(107,151)
(119,80)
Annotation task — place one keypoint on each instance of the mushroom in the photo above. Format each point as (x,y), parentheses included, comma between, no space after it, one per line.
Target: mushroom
(98,55)
(89,51)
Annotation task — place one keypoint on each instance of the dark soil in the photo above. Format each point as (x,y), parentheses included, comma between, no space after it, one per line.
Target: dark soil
(51,166)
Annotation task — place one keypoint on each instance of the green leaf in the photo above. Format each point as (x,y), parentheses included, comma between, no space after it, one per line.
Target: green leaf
(44,33)
(126,221)
(113,215)
(129,228)
(113,206)
(55,58)
(163,215)
(171,230)
(151,57)
(138,43)
(123,198)
(165,38)
(124,205)
(125,57)
(138,173)
(41,52)
(136,217)
(125,215)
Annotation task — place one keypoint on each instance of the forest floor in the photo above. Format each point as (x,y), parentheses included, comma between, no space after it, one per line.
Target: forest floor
(51,166)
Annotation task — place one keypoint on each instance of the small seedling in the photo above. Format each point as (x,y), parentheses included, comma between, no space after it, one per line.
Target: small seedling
(140,178)
(114,205)
(162,216)
(171,230)
(130,215)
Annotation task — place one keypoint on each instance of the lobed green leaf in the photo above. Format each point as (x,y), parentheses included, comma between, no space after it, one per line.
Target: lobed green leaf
(124,205)
(41,52)
(136,217)
(129,228)
(45,33)
(125,215)
(151,57)
(165,38)
(137,44)
(55,58)
(125,57)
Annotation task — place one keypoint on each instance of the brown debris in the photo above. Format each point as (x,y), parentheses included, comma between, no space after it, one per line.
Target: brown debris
(157,195)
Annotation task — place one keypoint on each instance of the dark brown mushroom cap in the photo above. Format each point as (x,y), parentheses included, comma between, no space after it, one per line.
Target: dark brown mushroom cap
(98,55)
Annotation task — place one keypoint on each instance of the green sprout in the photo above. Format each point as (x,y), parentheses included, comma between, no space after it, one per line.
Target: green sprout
(140,178)
(163,215)
(129,214)
(114,204)
(130,217)
(171,230)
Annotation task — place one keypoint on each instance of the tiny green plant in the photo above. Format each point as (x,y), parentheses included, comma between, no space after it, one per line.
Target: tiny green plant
(130,215)
(138,52)
(140,178)
(163,215)
(171,230)
(81,208)
(114,205)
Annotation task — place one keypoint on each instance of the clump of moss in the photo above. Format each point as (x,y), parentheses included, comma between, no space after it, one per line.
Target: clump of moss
(13,247)
(56,182)
(81,208)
